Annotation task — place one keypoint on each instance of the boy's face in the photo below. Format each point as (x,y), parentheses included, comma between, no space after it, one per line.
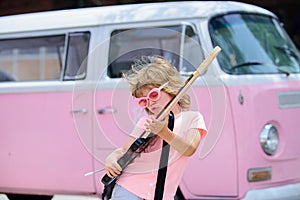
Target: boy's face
(156,106)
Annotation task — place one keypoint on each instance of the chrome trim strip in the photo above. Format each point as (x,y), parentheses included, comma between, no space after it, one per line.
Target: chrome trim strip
(289,99)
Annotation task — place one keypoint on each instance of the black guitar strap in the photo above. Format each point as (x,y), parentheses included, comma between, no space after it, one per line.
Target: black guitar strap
(163,164)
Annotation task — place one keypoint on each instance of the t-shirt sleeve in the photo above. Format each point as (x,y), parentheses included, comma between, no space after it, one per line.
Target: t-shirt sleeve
(139,128)
(198,123)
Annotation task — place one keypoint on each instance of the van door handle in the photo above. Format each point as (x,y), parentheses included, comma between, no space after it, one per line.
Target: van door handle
(106,110)
(83,110)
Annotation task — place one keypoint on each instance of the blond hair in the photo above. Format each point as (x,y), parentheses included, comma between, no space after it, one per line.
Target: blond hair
(153,71)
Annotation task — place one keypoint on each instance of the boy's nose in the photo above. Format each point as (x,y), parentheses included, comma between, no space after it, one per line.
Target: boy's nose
(150,102)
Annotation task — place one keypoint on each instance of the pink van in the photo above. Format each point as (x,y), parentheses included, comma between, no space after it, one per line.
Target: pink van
(64,106)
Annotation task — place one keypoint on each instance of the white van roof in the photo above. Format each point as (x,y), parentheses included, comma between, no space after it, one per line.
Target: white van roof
(121,14)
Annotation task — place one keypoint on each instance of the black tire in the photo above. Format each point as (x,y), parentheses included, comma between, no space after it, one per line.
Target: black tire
(27,197)
(179,195)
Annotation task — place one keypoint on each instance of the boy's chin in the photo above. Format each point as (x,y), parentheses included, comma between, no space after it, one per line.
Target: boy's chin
(156,110)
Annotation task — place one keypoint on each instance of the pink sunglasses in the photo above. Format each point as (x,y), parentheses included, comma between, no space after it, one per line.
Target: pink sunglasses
(153,95)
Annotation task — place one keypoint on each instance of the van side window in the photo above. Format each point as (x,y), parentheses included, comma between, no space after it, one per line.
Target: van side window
(36,58)
(44,58)
(178,44)
(77,51)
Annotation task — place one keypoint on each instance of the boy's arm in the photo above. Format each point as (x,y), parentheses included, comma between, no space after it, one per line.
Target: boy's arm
(111,162)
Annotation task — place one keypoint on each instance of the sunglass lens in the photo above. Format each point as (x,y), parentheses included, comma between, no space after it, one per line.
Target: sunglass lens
(142,102)
(154,95)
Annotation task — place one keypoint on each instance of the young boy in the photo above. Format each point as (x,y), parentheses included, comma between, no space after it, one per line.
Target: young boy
(153,82)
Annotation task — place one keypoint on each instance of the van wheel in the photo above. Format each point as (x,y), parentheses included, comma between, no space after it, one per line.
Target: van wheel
(27,197)
(179,195)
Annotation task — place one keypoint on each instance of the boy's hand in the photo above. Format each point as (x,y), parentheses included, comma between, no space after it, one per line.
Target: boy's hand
(111,163)
(156,126)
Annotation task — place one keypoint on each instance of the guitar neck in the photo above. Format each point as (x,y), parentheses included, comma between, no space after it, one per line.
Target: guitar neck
(188,83)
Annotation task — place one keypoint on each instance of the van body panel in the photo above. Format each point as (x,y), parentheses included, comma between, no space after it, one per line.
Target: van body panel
(221,145)
(40,125)
(260,106)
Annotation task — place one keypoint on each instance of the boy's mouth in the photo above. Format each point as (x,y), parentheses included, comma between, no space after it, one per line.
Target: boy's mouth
(156,108)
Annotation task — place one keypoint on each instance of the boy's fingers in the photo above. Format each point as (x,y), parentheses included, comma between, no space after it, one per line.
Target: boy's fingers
(118,168)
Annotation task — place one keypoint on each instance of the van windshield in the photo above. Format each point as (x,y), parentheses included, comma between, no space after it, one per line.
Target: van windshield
(253,44)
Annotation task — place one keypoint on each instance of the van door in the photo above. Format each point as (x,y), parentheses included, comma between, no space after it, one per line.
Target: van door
(40,150)
(179,44)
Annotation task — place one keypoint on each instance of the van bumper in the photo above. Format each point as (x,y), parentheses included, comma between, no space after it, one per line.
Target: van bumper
(286,192)
(3,197)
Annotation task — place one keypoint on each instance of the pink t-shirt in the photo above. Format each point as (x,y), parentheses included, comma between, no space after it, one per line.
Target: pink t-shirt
(140,176)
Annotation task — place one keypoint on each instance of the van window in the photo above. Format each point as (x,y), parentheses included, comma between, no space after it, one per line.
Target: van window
(76,64)
(43,58)
(178,44)
(253,44)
